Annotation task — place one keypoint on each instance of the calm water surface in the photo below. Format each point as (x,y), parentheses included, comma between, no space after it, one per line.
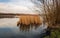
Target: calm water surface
(9,29)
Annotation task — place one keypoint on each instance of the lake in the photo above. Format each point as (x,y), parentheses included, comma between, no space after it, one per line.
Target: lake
(9,29)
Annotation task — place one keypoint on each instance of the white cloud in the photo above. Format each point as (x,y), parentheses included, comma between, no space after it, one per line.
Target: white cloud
(16,6)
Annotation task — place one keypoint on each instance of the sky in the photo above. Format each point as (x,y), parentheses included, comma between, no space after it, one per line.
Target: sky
(17,6)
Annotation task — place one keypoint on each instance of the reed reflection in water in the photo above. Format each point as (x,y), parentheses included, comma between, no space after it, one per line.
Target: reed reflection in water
(28,27)
(9,29)
(28,22)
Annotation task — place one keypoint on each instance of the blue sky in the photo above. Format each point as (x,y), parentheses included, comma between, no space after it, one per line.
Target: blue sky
(4,1)
(16,6)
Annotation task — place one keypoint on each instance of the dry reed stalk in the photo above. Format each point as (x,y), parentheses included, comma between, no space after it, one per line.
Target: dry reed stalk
(29,19)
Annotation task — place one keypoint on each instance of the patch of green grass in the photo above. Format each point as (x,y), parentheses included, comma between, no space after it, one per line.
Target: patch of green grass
(54,34)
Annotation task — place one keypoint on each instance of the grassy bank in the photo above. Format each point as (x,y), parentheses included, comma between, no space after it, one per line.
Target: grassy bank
(55,33)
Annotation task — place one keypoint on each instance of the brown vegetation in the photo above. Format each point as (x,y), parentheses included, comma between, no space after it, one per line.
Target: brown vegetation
(28,21)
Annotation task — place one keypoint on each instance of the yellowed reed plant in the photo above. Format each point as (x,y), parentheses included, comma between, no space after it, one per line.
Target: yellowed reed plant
(29,19)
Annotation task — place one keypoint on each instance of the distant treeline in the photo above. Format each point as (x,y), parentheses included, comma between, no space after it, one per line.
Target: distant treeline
(7,16)
(11,15)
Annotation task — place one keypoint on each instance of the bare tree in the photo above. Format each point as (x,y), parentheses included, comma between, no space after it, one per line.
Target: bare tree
(51,9)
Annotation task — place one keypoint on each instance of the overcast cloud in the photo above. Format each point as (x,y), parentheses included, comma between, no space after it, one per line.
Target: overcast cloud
(17,6)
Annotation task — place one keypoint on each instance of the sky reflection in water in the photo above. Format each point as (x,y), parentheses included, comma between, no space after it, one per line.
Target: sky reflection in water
(9,29)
